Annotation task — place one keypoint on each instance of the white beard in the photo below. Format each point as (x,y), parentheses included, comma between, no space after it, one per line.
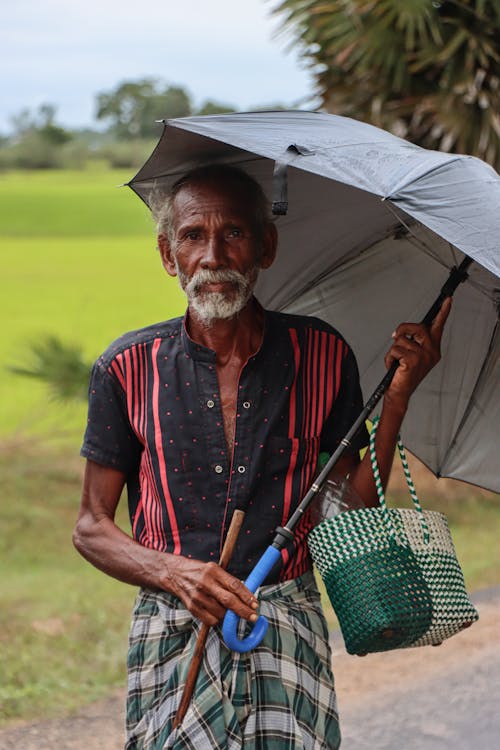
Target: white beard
(211,305)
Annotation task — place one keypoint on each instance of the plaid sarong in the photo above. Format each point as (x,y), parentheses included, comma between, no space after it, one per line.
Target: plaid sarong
(279,695)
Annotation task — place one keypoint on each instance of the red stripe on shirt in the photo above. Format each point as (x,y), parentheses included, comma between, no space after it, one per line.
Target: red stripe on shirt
(288,489)
(116,369)
(159,449)
(314,386)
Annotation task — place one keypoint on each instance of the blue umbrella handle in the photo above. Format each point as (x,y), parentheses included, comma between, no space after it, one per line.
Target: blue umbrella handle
(254,580)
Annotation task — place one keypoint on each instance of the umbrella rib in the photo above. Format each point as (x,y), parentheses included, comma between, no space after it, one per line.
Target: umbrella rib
(479,288)
(182,172)
(418,240)
(421,245)
(356,255)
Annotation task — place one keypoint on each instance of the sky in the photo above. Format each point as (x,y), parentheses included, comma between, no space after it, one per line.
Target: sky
(64,52)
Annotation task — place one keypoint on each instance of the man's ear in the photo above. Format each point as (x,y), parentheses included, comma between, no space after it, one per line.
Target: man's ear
(167,255)
(269,245)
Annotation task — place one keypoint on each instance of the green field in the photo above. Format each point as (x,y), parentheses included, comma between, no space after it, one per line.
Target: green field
(78,260)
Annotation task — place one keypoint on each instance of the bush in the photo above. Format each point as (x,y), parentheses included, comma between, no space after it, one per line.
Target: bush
(126,154)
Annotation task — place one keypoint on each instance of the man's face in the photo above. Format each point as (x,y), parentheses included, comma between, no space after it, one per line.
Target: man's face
(216,251)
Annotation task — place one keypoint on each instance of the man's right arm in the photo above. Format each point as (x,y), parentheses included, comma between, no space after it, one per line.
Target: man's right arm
(205,589)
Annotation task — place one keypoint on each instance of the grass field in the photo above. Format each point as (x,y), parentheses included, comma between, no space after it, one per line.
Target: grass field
(78,260)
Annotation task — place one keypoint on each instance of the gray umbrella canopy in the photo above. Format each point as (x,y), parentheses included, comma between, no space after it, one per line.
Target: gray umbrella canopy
(373,225)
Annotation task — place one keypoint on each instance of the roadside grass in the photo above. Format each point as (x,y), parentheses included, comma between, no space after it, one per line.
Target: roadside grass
(63,624)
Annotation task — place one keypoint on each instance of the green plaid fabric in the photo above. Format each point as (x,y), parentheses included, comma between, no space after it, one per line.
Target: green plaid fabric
(280,695)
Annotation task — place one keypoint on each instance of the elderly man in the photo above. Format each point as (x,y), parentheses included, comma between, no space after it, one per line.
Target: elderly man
(226,408)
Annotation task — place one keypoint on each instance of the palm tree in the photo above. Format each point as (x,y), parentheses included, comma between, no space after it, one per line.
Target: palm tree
(427,71)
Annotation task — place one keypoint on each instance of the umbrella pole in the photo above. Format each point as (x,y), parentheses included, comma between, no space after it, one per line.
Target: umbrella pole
(284,534)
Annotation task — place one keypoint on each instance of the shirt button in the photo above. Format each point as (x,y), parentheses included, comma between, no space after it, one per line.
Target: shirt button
(210,403)
(241,469)
(218,469)
(246,404)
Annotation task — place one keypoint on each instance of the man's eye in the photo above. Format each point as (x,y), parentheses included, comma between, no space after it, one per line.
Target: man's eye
(192,235)
(234,232)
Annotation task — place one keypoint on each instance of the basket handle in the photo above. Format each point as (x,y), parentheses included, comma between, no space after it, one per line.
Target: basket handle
(409,481)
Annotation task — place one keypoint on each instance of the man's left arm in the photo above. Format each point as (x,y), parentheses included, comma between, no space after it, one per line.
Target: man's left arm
(417,349)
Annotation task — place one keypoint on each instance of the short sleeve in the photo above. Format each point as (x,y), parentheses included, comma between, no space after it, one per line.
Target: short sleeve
(109,438)
(346,409)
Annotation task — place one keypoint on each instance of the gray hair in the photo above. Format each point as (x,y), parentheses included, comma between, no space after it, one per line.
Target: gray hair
(162,201)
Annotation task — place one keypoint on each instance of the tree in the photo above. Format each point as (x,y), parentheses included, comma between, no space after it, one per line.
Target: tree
(37,139)
(47,128)
(427,71)
(41,123)
(133,107)
(209,107)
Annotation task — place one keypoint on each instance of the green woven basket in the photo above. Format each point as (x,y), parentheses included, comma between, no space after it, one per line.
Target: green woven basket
(392,575)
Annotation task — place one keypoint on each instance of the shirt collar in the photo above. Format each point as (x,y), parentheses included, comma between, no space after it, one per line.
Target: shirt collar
(203,353)
(191,347)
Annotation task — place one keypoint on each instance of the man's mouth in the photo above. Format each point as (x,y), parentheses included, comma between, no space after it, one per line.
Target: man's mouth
(215,286)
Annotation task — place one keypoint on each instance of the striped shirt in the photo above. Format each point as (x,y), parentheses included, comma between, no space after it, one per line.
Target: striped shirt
(155,414)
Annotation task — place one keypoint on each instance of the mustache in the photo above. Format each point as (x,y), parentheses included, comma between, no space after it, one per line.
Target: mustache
(205,276)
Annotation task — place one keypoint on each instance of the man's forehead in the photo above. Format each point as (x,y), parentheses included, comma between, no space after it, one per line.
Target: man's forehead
(212,185)
(207,196)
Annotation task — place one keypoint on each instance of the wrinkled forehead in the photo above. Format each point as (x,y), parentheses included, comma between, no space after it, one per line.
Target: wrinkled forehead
(213,185)
(214,195)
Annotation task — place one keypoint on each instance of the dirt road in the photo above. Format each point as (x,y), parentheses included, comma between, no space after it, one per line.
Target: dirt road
(444,698)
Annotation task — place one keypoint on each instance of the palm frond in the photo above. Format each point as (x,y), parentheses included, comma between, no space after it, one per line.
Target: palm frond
(429,71)
(61,366)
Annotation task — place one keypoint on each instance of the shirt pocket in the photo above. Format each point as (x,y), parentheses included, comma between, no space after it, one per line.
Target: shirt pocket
(287,456)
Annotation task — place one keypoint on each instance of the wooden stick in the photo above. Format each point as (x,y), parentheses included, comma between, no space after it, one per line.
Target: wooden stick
(199,649)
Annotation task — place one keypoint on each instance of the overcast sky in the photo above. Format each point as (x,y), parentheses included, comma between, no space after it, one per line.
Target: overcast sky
(64,52)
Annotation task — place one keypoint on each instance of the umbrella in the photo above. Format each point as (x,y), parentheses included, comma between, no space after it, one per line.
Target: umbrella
(369,227)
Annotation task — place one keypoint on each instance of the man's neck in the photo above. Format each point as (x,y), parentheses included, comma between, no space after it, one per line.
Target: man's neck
(236,338)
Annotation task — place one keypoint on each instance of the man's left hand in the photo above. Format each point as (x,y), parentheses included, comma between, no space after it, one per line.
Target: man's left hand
(418,349)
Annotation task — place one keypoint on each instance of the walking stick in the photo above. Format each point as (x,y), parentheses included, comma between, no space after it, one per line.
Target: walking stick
(284,534)
(199,649)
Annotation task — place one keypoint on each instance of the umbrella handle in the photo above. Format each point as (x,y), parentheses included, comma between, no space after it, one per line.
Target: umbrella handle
(254,580)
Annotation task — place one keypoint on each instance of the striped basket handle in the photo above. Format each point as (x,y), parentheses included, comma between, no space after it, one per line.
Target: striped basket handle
(409,482)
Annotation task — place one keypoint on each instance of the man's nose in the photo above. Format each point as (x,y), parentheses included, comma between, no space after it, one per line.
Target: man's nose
(214,255)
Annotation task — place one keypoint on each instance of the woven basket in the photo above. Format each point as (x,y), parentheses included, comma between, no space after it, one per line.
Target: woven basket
(392,575)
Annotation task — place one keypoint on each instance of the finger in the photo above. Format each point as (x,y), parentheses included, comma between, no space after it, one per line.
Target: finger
(405,351)
(439,321)
(211,606)
(411,332)
(228,591)
(208,610)
(237,593)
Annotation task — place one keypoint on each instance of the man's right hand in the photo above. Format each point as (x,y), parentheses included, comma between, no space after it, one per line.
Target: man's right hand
(207,590)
